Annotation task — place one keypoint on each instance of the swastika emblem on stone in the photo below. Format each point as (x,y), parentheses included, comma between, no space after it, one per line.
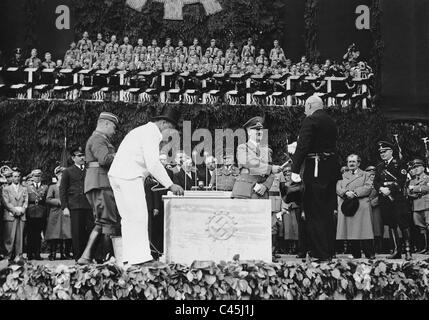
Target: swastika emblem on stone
(173,9)
(221,226)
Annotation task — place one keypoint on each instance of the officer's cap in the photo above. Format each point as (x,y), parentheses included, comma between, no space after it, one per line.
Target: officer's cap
(384,145)
(109,116)
(254,123)
(77,151)
(36,173)
(417,163)
(370,169)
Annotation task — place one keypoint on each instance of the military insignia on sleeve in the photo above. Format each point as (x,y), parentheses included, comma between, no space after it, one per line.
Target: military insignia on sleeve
(403,171)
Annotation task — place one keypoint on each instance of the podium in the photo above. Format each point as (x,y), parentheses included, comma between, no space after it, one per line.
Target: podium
(210,226)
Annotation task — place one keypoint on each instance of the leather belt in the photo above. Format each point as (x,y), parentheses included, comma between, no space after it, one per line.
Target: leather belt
(317,157)
(93,165)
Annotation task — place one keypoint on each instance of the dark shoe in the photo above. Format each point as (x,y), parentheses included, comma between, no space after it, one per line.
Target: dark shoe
(301,255)
(51,257)
(30,256)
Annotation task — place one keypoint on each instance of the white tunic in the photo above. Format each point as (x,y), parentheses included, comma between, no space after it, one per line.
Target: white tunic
(138,156)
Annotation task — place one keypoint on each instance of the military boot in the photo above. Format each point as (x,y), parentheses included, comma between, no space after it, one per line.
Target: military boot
(407,237)
(396,254)
(425,244)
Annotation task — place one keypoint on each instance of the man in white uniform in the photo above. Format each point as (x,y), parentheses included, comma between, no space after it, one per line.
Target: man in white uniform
(137,158)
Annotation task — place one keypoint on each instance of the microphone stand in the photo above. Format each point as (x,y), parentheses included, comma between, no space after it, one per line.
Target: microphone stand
(195,161)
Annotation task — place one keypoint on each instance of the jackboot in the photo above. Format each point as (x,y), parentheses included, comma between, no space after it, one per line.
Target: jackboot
(68,249)
(396,254)
(62,256)
(425,245)
(407,236)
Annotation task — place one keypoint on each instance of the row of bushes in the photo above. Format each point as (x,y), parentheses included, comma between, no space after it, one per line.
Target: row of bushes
(242,280)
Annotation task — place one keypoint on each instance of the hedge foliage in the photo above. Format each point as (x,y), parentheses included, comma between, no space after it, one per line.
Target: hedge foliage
(342,279)
(32,132)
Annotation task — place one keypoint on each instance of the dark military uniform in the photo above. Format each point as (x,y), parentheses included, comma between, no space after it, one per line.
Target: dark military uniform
(36,218)
(394,209)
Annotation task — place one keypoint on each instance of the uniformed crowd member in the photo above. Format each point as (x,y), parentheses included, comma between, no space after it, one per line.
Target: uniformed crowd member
(99,155)
(316,150)
(418,192)
(74,203)
(36,214)
(33,61)
(17,60)
(293,223)
(256,172)
(224,177)
(389,182)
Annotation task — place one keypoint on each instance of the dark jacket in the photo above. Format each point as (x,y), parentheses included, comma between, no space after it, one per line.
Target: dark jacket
(180,177)
(72,194)
(392,176)
(318,134)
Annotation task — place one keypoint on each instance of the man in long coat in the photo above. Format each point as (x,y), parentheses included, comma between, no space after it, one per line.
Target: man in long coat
(316,150)
(356,183)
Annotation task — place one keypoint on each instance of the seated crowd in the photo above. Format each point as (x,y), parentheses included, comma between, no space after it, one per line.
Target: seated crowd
(190,65)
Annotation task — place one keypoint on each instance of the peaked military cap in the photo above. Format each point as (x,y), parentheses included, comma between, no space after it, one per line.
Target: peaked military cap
(417,163)
(384,145)
(254,123)
(109,116)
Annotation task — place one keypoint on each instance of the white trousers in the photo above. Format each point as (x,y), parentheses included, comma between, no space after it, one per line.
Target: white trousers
(131,202)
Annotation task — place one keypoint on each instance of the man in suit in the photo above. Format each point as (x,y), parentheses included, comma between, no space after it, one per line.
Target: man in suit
(256,173)
(74,202)
(99,154)
(136,159)
(389,182)
(15,199)
(316,150)
(155,208)
(418,192)
(186,177)
(36,214)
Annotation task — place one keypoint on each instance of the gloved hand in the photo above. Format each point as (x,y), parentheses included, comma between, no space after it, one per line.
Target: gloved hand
(296,178)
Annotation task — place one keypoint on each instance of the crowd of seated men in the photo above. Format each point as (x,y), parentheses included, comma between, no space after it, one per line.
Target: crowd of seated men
(191,69)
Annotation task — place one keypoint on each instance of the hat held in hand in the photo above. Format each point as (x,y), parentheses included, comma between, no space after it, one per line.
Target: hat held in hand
(350,207)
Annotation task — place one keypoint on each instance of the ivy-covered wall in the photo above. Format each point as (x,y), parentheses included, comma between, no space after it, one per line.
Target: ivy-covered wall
(32,132)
